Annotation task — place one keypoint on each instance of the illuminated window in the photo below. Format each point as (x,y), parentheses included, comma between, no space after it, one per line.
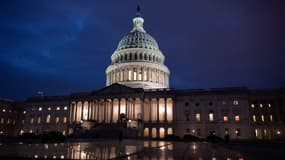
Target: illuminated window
(64,120)
(262,118)
(252,105)
(24,112)
(39,120)
(260,105)
(169,131)
(254,118)
(153,133)
(4,110)
(226,118)
(57,120)
(49,108)
(146,132)
(32,120)
(130,75)
(224,102)
(8,121)
(65,107)
(135,75)
(271,118)
(40,108)
(237,119)
(211,116)
(161,132)
(2,120)
(144,75)
(278,132)
(57,108)
(48,119)
(269,105)
(140,75)
(235,102)
(198,117)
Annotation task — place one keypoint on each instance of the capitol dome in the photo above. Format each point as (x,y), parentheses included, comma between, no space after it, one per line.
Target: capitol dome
(138,62)
(138,39)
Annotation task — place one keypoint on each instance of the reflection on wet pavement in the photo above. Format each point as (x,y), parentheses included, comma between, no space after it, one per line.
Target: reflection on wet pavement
(126,149)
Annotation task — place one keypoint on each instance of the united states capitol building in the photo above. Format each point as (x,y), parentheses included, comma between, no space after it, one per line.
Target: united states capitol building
(138,102)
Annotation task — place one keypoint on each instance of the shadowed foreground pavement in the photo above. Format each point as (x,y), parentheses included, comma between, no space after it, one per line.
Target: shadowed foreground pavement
(139,149)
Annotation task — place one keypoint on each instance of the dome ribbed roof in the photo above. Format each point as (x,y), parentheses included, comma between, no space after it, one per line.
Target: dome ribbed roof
(138,39)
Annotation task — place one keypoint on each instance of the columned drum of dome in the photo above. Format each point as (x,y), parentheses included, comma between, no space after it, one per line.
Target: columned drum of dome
(137,62)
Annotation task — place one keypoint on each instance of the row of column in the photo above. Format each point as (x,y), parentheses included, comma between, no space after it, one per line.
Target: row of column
(110,110)
(158,109)
(106,110)
(137,74)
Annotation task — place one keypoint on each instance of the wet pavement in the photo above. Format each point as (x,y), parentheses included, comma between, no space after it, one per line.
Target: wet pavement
(125,149)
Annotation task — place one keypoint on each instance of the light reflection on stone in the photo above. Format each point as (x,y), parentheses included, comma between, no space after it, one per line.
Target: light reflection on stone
(128,149)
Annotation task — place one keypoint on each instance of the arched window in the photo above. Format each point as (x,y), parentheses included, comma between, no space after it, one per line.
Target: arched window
(141,57)
(121,58)
(145,57)
(126,57)
(131,57)
(136,56)
(149,57)
(153,58)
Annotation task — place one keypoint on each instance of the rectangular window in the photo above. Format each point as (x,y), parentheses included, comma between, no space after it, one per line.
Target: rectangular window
(130,75)
(262,118)
(235,102)
(135,75)
(211,117)
(237,119)
(226,118)
(198,117)
(271,118)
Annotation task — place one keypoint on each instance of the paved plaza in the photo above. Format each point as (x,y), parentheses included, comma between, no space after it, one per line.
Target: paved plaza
(139,149)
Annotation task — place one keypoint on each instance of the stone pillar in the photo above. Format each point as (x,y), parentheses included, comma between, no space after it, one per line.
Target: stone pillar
(82,107)
(150,110)
(75,115)
(88,111)
(134,108)
(112,111)
(98,106)
(71,113)
(119,106)
(105,108)
(157,109)
(165,110)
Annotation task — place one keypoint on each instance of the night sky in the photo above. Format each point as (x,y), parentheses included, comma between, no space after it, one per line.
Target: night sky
(63,46)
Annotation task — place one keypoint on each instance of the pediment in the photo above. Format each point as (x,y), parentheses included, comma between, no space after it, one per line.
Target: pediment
(116,89)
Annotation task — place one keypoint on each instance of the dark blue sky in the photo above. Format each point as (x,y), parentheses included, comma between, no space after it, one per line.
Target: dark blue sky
(64,46)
